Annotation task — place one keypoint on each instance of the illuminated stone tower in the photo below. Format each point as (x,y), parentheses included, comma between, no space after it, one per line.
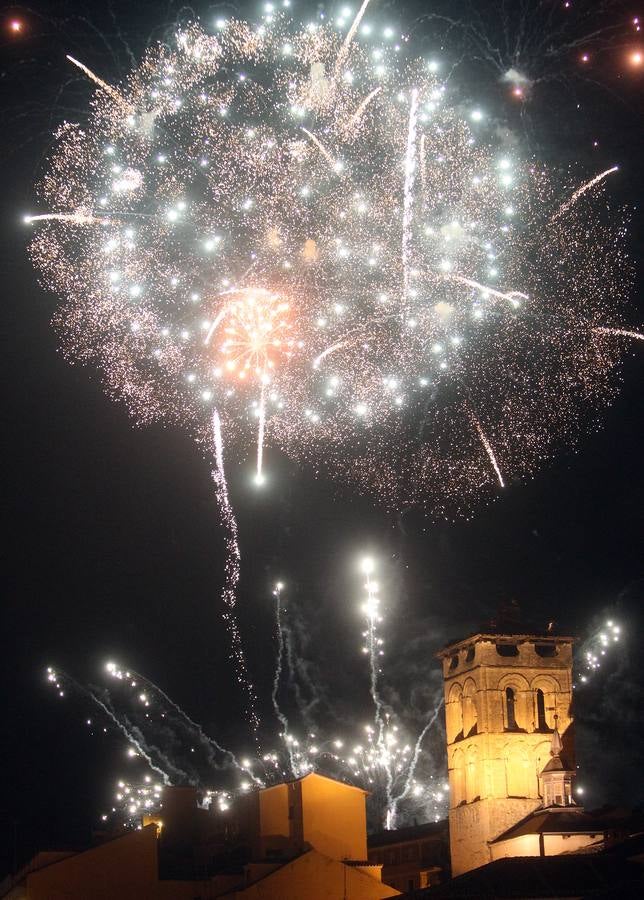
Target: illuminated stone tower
(504,695)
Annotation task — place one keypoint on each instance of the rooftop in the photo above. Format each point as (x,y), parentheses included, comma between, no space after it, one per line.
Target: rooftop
(570,820)
(411,833)
(503,636)
(575,875)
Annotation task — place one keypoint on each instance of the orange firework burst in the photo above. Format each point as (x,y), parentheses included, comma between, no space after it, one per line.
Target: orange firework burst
(257,332)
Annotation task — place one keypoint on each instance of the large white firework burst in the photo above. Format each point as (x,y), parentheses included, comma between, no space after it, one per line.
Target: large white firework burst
(307,234)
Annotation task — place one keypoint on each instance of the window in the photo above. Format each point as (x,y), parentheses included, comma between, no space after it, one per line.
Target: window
(517,770)
(510,710)
(542,724)
(546,650)
(469,656)
(507,649)
(453,662)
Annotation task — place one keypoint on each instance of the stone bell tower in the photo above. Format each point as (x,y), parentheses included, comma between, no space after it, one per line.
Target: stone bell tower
(505,694)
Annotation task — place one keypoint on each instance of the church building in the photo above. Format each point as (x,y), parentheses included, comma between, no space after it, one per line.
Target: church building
(510,750)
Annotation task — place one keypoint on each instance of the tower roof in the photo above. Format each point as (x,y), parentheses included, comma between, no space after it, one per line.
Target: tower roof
(504,637)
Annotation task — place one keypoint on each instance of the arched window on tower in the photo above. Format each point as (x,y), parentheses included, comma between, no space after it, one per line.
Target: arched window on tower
(454,714)
(470,715)
(542,724)
(510,710)
(457,780)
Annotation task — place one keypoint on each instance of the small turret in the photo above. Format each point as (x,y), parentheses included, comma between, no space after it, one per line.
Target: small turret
(556,776)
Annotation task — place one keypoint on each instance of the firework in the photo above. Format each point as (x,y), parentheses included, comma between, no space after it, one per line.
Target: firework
(596,647)
(299,228)
(396,769)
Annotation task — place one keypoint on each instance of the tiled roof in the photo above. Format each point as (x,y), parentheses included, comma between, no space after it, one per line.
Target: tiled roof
(525,877)
(411,833)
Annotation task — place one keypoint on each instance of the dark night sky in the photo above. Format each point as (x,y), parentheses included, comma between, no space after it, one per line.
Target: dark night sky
(112,544)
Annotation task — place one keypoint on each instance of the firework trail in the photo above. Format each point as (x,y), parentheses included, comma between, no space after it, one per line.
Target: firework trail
(297,671)
(408,192)
(512,297)
(488,448)
(209,744)
(392,811)
(136,741)
(231,577)
(77,218)
(318,143)
(277,593)
(346,45)
(582,190)
(99,81)
(371,609)
(373,647)
(620,332)
(597,646)
(355,118)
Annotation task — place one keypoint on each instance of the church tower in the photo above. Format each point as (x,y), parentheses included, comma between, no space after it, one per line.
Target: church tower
(507,698)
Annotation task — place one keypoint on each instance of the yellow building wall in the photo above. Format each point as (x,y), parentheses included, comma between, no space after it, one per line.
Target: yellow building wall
(525,845)
(314,876)
(125,868)
(553,844)
(275,830)
(334,818)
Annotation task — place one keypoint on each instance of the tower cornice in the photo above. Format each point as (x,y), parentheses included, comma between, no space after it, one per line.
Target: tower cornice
(498,638)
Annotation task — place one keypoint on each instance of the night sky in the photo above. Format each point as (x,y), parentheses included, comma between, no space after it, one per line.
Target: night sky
(112,543)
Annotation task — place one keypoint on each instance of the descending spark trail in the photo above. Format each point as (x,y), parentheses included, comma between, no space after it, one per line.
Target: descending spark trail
(231,576)
(385,766)
(355,118)
(261,427)
(77,218)
(328,352)
(215,324)
(423,165)
(129,735)
(351,33)
(582,190)
(135,736)
(99,81)
(318,143)
(488,448)
(598,646)
(512,297)
(408,192)
(277,593)
(210,744)
(620,332)
(392,813)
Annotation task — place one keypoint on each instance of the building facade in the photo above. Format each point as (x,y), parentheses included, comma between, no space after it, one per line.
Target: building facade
(505,695)
(305,838)
(411,858)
